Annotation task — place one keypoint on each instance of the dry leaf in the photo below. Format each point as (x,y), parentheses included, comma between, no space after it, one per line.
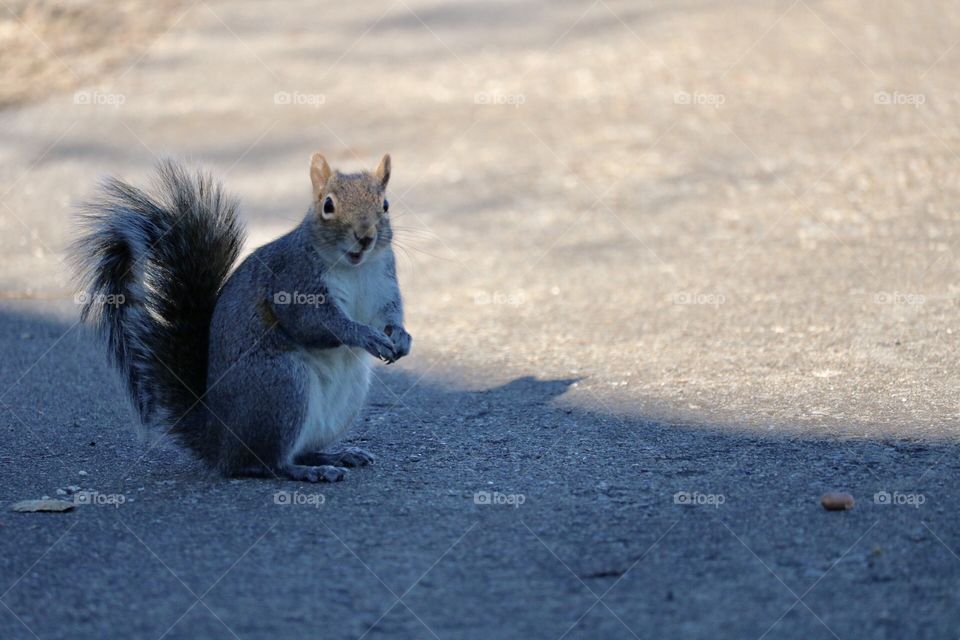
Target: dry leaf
(29,506)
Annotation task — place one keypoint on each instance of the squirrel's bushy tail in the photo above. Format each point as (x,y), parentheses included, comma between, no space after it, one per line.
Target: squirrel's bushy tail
(152,264)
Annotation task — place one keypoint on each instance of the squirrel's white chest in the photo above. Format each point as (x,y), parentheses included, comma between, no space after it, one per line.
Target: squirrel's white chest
(338,378)
(361,292)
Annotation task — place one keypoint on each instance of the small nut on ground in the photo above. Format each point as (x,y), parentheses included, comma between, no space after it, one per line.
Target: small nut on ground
(836,501)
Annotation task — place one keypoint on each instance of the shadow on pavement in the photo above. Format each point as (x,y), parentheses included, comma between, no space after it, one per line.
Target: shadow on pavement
(502,511)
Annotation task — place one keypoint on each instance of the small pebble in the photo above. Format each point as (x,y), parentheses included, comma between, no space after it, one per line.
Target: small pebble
(836,501)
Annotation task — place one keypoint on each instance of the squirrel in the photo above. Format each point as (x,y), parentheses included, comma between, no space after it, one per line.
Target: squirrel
(258,371)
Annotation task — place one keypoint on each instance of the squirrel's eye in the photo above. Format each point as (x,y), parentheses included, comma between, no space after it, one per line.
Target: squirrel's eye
(386,206)
(328,207)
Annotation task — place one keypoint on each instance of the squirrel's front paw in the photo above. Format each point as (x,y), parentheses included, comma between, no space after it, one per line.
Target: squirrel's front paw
(379,345)
(402,340)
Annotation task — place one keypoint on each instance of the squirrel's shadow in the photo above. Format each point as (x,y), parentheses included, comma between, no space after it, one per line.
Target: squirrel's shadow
(529,388)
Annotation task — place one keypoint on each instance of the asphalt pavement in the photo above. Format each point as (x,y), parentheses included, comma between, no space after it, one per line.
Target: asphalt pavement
(673,271)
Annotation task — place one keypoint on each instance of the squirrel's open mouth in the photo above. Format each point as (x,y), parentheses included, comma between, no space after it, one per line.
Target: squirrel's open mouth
(355,257)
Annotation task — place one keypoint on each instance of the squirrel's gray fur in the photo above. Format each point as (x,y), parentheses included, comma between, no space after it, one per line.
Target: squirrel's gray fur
(256,373)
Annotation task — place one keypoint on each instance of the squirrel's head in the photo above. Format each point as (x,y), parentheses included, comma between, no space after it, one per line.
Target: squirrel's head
(350,212)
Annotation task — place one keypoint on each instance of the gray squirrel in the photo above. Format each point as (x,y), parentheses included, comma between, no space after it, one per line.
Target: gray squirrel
(256,371)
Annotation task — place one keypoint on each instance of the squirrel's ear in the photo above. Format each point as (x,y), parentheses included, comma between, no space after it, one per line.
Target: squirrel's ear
(383,171)
(319,173)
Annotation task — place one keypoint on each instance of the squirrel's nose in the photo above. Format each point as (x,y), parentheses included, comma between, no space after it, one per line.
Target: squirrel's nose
(365,241)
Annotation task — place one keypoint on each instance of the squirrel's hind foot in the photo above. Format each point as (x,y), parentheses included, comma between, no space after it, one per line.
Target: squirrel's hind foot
(313,473)
(346,457)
